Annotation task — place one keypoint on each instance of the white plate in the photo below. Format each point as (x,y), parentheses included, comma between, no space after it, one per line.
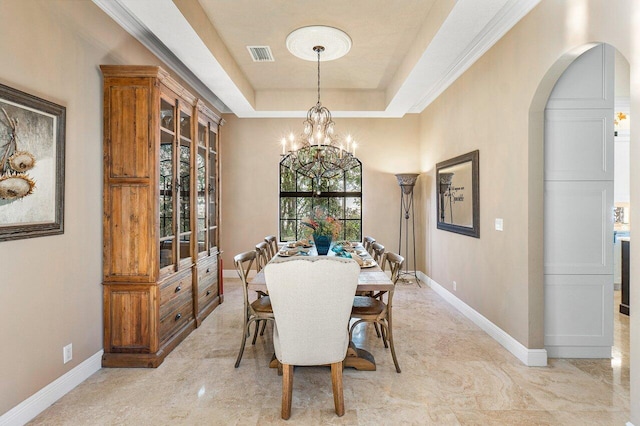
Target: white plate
(285,254)
(370,265)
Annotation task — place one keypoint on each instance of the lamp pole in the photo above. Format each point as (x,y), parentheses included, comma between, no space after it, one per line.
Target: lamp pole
(407,182)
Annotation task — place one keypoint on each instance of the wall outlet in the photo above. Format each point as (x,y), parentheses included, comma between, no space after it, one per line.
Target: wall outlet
(67,353)
(455,286)
(499,224)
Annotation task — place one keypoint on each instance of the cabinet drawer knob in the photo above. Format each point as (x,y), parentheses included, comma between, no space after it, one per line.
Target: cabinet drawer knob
(178,288)
(178,316)
(208,270)
(208,292)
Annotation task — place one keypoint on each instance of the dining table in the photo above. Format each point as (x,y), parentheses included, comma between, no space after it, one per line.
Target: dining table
(371,279)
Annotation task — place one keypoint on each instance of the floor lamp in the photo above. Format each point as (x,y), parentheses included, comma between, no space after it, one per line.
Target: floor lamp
(407,181)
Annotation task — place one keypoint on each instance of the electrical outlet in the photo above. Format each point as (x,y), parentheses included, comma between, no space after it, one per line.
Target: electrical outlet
(455,286)
(67,353)
(499,224)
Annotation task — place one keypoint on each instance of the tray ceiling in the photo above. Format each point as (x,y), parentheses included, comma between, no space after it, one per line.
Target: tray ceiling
(404,52)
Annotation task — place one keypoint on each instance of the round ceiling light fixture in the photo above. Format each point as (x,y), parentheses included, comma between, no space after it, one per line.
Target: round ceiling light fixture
(301,42)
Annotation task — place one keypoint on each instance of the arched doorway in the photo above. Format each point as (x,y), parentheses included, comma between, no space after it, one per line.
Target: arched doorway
(569,317)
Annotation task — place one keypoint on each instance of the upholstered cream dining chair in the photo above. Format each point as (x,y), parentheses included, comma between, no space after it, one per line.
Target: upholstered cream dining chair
(311,299)
(259,309)
(373,309)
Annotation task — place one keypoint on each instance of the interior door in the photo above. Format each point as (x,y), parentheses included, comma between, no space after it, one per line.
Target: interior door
(578,197)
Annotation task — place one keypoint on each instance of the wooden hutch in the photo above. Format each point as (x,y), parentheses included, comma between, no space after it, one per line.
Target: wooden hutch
(161,214)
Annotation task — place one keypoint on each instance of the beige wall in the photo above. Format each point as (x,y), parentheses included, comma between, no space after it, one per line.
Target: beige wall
(250,156)
(50,292)
(496,107)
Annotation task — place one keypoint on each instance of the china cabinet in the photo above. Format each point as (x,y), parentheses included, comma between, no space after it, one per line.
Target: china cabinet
(161,214)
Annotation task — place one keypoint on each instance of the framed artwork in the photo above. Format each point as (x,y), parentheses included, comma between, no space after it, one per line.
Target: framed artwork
(458,189)
(32,136)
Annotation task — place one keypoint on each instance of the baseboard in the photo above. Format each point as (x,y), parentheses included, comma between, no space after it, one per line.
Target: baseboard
(579,351)
(529,357)
(41,400)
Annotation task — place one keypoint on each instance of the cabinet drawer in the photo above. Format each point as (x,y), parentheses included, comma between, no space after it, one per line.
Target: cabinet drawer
(207,291)
(207,268)
(181,298)
(175,319)
(175,287)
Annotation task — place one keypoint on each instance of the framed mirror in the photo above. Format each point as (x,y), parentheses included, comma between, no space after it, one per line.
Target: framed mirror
(458,190)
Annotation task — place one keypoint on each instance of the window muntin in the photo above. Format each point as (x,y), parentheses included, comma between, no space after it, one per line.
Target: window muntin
(340,197)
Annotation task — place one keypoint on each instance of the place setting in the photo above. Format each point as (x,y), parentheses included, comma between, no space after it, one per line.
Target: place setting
(353,251)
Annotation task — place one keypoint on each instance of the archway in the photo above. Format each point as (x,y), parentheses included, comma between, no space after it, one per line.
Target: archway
(536,192)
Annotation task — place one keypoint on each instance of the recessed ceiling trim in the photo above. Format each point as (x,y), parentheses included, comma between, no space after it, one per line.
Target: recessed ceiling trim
(503,21)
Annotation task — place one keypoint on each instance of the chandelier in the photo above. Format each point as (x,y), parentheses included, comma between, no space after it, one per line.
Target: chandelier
(318,152)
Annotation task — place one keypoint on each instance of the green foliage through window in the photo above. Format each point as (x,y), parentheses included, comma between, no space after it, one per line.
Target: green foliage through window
(340,197)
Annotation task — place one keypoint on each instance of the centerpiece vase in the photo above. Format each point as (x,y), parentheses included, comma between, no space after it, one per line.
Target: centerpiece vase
(323,242)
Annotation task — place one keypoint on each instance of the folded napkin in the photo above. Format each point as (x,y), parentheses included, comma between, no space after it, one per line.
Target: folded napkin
(295,252)
(357,258)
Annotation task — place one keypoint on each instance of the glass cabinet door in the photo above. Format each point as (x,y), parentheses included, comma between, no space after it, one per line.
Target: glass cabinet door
(184,185)
(213,189)
(201,188)
(167,141)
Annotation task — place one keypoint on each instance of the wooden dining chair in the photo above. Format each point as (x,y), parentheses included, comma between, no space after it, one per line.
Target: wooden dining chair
(263,255)
(377,252)
(259,309)
(375,310)
(312,299)
(367,242)
(272,241)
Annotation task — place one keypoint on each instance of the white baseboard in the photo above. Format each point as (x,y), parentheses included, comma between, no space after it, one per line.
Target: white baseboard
(530,357)
(579,351)
(41,400)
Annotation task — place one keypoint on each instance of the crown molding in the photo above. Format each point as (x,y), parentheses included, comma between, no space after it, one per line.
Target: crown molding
(117,10)
(508,16)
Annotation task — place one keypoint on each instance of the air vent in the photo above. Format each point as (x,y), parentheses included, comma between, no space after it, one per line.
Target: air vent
(261,53)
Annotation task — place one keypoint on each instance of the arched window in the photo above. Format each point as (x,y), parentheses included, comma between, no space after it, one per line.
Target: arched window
(340,197)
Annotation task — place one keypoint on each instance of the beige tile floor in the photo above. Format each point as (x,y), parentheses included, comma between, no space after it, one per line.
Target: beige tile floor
(452,374)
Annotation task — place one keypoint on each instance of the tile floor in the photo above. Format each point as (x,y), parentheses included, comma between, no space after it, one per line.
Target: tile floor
(452,374)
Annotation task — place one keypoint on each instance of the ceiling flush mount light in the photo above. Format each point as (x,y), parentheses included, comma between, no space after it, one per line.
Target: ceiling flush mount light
(318,152)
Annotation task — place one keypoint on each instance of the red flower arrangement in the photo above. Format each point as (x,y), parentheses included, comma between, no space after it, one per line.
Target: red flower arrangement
(323,224)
